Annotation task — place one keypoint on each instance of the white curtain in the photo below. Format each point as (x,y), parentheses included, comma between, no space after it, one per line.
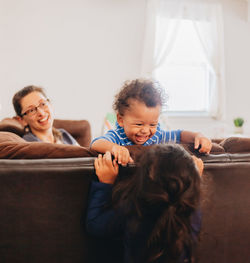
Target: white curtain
(160,38)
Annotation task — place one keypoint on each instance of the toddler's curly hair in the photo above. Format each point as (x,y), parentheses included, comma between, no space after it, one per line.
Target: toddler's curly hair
(147,91)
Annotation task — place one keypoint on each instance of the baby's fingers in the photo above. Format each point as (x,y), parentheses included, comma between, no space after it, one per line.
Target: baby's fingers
(124,158)
(204,149)
(206,146)
(121,159)
(196,142)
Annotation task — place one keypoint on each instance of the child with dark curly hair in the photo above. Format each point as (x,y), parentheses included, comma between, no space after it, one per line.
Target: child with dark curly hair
(138,107)
(155,210)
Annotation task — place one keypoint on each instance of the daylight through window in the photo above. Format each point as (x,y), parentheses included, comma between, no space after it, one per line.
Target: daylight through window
(185,72)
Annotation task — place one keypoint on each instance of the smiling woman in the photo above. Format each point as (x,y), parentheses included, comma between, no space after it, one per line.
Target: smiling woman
(35,112)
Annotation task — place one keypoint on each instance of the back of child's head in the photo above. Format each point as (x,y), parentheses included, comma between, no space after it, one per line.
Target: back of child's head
(169,168)
(166,187)
(147,91)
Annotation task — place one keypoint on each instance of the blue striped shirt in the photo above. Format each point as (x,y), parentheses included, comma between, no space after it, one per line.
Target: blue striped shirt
(119,137)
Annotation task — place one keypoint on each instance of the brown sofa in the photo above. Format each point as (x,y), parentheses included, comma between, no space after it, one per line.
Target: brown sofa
(43,197)
(79,129)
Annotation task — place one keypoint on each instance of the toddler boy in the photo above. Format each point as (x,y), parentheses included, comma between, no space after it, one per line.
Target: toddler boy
(138,107)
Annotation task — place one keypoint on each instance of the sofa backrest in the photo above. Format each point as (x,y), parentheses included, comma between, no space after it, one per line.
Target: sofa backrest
(43,204)
(226,213)
(79,129)
(42,200)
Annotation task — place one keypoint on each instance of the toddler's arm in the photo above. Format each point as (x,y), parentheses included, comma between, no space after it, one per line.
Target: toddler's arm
(198,139)
(121,154)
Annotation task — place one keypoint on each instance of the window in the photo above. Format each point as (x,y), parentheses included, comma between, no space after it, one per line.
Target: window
(185,73)
(184,50)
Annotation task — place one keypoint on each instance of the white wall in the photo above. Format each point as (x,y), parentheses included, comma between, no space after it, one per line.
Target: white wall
(81,51)
(237,74)
(237,56)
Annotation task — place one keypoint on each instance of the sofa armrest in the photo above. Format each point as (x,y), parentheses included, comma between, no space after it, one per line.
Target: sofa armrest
(236,145)
(79,129)
(12,125)
(14,147)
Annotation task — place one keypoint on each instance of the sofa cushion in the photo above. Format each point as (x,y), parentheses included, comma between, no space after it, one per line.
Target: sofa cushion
(137,150)
(236,145)
(14,147)
(12,125)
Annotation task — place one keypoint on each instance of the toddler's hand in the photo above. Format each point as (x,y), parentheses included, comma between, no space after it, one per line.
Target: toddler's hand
(106,170)
(121,155)
(206,144)
(199,164)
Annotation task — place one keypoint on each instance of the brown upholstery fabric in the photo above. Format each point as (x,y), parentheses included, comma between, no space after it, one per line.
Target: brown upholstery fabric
(42,204)
(79,129)
(225,222)
(12,125)
(137,150)
(14,147)
(6,137)
(217,140)
(216,149)
(236,144)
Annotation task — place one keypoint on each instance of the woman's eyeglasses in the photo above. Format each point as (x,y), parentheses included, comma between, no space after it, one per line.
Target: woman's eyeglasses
(32,111)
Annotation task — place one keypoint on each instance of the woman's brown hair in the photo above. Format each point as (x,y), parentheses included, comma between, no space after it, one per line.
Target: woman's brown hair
(16,100)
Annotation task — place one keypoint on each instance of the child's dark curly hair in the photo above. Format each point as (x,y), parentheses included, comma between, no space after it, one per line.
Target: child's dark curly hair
(143,90)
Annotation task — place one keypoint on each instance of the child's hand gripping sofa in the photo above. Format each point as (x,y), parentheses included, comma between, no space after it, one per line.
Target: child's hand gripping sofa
(43,196)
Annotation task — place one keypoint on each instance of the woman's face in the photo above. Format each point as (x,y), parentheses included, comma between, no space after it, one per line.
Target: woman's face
(37,112)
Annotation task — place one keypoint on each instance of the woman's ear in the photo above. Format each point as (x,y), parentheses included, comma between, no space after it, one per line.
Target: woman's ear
(21,120)
(119,119)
